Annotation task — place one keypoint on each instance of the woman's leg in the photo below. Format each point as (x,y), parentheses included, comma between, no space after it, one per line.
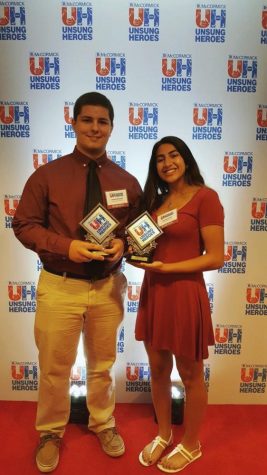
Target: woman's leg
(192,375)
(161,363)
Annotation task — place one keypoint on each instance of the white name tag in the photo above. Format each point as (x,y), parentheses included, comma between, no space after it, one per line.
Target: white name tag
(167,218)
(117,199)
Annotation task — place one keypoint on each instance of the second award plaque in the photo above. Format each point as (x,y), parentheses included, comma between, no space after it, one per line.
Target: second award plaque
(142,235)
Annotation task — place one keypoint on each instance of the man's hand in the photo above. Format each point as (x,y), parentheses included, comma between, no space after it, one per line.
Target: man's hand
(81,251)
(115,251)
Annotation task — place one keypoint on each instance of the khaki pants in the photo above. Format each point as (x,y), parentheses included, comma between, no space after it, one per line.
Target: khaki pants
(65,308)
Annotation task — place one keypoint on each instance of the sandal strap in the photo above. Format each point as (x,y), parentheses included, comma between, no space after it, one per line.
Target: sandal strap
(185,453)
(159,441)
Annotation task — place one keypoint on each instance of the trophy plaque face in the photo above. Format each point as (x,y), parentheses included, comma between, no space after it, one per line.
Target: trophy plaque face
(142,235)
(99,225)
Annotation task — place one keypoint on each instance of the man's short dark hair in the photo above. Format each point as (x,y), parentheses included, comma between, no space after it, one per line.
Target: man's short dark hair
(93,99)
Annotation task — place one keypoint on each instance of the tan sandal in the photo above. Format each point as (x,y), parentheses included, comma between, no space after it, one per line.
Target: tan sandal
(158,441)
(185,453)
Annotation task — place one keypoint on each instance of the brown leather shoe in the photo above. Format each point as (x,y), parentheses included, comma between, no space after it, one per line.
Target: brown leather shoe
(47,455)
(111,442)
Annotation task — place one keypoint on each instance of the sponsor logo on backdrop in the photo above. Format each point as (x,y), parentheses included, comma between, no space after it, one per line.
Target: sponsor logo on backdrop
(143,119)
(44,71)
(43,156)
(138,377)
(235,258)
(78,375)
(253,379)
(210,290)
(176,72)
(24,376)
(261,132)
(256,300)
(110,71)
(120,342)
(77,21)
(22,297)
(242,74)
(143,22)
(118,157)
(14,119)
(207,122)
(68,111)
(133,294)
(10,205)
(258,220)
(12,21)
(237,168)
(207,375)
(228,340)
(210,23)
(263,38)
(39,265)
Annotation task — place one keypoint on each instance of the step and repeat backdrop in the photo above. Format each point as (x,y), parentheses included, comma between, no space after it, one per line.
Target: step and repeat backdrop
(170,67)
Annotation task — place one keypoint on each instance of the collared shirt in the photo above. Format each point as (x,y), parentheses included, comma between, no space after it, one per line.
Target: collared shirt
(51,208)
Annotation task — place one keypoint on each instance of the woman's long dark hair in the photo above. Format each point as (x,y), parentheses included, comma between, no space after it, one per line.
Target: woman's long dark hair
(155,188)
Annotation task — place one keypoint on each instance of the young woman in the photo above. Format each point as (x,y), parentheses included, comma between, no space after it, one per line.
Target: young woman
(174,314)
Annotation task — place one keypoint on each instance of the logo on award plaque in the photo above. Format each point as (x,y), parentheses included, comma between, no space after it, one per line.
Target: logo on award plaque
(99,225)
(142,234)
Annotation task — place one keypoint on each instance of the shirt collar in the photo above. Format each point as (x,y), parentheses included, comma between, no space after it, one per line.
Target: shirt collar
(85,160)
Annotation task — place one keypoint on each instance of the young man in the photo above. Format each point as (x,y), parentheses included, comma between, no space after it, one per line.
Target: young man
(79,291)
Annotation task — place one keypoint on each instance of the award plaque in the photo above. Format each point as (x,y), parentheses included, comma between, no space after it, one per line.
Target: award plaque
(142,234)
(99,225)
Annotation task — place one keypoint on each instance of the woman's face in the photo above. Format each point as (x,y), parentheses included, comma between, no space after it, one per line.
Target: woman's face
(170,164)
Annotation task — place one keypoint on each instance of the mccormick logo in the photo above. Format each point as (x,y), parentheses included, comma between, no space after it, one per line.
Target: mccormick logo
(120,342)
(210,23)
(235,258)
(256,300)
(210,290)
(207,375)
(22,297)
(12,21)
(24,376)
(143,119)
(68,110)
(118,157)
(44,71)
(10,204)
(261,132)
(258,214)
(14,119)
(137,377)
(42,157)
(253,379)
(133,296)
(77,21)
(110,71)
(263,39)
(242,74)
(207,122)
(143,22)
(228,339)
(176,72)
(237,167)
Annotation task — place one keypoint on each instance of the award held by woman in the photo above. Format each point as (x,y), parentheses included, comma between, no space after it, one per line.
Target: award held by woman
(99,225)
(142,235)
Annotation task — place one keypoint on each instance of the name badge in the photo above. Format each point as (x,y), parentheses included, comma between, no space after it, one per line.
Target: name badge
(167,218)
(117,199)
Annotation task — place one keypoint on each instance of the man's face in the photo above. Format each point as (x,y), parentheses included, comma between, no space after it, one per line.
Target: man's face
(93,128)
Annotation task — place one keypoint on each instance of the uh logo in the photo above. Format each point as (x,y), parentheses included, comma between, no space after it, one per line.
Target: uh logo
(77,16)
(237,164)
(256,295)
(138,372)
(259,209)
(207,116)
(24,371)
(228,335)
(242,68)
(40,158)
(176,67)
(13,15)
(14,114)
(11,204)
(235,252)
(21,292)
(143,115)
(110,66)
(210,18)
(253,374)
(262,117)
(44,65)
(145,17)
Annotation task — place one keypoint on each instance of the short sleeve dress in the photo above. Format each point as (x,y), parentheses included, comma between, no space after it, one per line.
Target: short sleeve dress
(174,310)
